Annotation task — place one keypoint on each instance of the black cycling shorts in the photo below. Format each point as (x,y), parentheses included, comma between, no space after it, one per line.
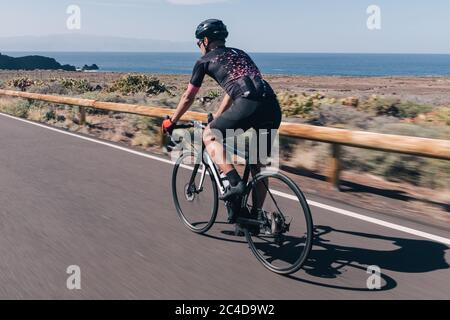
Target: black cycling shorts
(246,113)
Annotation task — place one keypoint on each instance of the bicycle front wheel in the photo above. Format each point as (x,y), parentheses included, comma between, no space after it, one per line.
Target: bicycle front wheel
(284,239)
(194,193)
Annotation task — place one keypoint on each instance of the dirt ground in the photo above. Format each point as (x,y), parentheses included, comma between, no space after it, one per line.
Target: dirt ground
(426,90)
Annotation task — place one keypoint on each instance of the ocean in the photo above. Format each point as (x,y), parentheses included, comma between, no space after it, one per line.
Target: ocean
(308,64)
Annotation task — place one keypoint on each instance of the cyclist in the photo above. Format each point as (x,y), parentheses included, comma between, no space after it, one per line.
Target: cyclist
(249,101)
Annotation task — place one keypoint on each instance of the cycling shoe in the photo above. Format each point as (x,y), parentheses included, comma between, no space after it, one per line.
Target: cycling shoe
(233,191)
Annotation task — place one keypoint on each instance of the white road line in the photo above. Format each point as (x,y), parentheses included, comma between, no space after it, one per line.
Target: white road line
(142,154)
(383,223)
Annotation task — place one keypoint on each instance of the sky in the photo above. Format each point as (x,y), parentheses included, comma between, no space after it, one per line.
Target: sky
(407,26)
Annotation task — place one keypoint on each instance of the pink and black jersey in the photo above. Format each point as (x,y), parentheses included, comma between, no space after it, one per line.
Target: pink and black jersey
(234,71)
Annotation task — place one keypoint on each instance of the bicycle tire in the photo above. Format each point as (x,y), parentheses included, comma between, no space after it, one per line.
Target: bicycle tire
(180,213)
(308,221)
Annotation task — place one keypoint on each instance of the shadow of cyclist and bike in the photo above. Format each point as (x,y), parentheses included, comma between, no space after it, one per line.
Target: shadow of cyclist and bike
(329,260)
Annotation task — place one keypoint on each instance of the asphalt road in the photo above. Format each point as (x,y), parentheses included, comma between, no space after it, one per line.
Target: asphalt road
(68,201)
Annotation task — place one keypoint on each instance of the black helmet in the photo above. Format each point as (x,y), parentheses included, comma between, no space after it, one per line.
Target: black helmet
(212,28)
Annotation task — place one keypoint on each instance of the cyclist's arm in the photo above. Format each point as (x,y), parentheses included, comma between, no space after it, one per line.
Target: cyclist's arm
(186,101)
(226,103)
(188,97)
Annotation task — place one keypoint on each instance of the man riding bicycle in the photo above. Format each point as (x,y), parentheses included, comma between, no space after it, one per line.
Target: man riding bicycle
(249,101)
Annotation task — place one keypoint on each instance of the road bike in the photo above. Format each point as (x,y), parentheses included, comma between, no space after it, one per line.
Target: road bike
(277,223)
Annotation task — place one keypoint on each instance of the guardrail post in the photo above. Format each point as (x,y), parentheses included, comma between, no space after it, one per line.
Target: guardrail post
(82,116)
(335,165)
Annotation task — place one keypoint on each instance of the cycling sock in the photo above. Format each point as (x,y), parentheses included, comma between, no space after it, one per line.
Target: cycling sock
(233,177)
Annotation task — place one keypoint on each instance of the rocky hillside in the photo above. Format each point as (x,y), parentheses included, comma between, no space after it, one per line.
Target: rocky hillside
(32,63)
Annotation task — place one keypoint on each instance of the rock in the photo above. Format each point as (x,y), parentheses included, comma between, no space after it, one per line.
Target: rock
(128,134)
(76,120)
(90,68)
(422,117)
(68,124)
(205,100)
(32,63)
(84,130)
(116,137)
(350,101)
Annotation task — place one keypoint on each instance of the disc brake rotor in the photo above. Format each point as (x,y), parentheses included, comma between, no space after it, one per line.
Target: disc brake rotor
(189,194)
(276,222)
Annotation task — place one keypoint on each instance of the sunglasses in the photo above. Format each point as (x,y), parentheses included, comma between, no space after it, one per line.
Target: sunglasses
(199,43)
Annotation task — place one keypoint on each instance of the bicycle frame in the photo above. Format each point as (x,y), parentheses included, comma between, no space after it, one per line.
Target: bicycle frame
(271,223)
(208,162)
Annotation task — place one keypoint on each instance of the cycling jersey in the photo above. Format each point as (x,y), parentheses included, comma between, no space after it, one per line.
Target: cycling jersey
(254,102)
(234,71)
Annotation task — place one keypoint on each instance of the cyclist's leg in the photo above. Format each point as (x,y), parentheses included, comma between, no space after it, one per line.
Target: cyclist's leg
(260,191)
(267,125)
(238,116)
(215,149)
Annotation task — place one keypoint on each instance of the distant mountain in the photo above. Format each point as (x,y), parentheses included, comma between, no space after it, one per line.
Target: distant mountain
(80,42)
(32,63)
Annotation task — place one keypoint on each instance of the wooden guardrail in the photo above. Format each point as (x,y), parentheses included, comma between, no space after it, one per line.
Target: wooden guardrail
(432,148)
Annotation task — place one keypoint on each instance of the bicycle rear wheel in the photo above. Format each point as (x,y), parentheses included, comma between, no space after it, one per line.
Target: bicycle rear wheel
(285,235)
(196,201)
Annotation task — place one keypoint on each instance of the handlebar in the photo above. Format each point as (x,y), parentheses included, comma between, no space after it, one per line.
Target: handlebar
(193,124)
(171,143)
(184,126)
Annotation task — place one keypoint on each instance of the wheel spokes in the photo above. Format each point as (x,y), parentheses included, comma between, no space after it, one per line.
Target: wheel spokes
(284,242)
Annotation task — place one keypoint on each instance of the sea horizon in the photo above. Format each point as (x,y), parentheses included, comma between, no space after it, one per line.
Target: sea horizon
(271,63)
